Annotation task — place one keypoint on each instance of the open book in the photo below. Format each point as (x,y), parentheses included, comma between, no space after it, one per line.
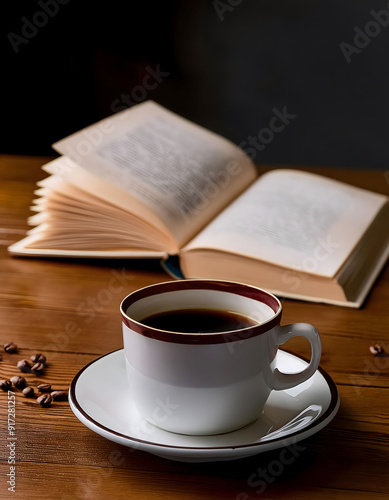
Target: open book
(148,183)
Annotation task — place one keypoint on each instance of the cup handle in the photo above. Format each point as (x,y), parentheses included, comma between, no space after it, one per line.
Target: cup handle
(283,381)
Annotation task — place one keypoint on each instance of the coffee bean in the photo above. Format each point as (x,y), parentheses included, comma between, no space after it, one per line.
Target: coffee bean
(29,392)
(38,368)
(59,395)
(377,350)
(38,358)
(10,347)
(44,387)
(45,400)
(19,382)
(5,385)
(24,366)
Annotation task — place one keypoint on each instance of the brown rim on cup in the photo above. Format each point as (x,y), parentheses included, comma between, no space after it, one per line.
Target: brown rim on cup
(236,288)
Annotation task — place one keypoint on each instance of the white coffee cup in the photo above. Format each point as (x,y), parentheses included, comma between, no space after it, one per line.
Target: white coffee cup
(207,383)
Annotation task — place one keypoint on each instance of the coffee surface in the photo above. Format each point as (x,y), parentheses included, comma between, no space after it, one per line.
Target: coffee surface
(198,321)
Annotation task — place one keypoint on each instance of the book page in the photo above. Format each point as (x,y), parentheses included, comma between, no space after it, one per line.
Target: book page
(67,216)
(180,171)
(64,170)
(294,219)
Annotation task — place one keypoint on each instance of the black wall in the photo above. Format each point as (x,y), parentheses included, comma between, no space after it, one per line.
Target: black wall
(230,65)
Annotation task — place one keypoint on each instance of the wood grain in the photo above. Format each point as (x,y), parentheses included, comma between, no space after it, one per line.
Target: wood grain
(68,310)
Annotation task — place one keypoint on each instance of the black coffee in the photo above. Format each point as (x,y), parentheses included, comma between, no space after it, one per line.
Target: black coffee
(198,321)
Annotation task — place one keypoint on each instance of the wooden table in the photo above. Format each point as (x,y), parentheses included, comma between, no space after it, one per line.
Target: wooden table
(44,302)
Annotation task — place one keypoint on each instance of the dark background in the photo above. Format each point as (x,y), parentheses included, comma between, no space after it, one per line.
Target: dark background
(229,64)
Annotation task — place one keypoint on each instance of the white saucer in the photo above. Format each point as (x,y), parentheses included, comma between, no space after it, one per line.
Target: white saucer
(99,398)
